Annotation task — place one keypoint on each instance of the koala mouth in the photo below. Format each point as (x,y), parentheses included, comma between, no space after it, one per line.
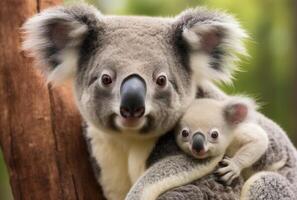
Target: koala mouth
(202,154)
(130,123)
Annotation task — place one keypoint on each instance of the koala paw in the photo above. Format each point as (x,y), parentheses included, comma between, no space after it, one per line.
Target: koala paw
(228,171)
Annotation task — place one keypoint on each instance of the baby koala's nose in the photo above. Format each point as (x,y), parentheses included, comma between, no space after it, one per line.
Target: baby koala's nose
(198,142)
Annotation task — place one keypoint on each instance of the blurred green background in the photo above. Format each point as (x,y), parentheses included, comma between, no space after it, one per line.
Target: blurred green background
(269,75)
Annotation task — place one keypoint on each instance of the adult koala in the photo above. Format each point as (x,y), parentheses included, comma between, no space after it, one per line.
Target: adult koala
(133,79)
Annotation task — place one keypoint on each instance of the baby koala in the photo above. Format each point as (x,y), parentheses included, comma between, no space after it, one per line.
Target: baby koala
(212,128)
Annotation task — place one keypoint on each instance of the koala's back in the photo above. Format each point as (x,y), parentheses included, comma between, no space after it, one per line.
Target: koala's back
(280,150)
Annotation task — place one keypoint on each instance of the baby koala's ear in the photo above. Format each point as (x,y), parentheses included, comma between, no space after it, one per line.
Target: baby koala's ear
(238,109)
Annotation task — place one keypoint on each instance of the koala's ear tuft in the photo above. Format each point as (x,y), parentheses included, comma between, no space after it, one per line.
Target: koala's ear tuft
(238,109)
(213,40)
(236,113)
(55,36)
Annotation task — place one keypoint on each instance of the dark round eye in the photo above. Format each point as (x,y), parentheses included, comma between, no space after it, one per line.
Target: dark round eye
(214,134)
(185,133)
(106,79)
(161,80)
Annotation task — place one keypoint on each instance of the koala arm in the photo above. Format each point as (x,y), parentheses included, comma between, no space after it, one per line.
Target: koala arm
(169,173)
(254,144)
(252,141)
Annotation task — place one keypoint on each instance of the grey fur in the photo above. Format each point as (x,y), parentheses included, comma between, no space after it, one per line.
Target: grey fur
(225,29)
(83,44)
(167,160)
(57,29)
(204,188)
(172,164)
(272,186)
(126,45)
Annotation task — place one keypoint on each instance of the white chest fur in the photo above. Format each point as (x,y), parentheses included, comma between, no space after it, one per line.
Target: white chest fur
(121,160)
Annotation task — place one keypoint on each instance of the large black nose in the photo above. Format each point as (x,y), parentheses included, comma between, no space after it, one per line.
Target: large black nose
(133,92)
(198,142)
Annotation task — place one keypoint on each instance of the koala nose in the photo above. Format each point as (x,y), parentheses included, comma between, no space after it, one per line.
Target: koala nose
(198,142)
(133,92)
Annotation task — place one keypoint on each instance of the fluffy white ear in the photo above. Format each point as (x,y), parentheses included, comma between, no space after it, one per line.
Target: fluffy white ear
(214,40)
(56,35)
(238,109)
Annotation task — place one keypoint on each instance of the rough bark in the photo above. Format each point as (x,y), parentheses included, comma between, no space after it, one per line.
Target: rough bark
(40,128)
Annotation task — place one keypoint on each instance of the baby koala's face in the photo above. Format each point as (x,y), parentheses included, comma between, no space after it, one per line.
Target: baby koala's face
(205,130)
(202,143)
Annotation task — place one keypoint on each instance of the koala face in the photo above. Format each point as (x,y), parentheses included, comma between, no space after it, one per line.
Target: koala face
(207,128)
(134,83)
(202,144)
(133,75)
(203,131)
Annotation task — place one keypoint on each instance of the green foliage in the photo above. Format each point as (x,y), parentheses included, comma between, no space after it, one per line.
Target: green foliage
(5,192)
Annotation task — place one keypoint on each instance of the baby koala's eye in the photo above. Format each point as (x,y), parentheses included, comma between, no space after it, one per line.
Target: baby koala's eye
(214,135)
(185,133)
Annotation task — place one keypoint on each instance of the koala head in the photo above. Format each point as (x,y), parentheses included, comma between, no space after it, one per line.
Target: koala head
(207,128)
(133,75)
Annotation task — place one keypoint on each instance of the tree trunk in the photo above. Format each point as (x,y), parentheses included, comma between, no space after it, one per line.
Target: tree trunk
(40,127)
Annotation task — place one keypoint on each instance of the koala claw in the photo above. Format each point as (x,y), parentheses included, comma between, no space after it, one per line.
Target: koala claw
(229,171)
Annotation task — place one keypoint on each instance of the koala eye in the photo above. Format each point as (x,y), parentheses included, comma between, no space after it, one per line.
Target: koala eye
(214,135)
(161,80)
(185,133)
(106,79)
